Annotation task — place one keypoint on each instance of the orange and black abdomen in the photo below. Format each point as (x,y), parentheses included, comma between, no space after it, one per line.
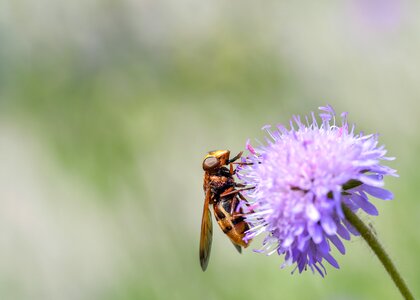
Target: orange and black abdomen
(231,222)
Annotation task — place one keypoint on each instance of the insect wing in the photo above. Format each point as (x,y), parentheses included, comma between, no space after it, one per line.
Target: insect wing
(239,248)
(206,233)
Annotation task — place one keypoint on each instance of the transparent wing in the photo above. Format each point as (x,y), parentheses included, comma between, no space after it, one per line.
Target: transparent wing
(206,233)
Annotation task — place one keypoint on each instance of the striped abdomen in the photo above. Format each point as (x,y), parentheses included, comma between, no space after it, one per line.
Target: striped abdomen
(231,222)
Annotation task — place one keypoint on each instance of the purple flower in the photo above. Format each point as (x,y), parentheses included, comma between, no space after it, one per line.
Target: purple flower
(302,176)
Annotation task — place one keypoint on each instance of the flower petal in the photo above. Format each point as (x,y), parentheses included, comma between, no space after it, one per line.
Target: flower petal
(316,233)
(371,180)
(337,243)
(364,204)
(329,225)
(351,228)
(343,232)
(332,261)
(312,213)
(378,192)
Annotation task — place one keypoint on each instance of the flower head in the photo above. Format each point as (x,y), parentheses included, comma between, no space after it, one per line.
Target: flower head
(302,177)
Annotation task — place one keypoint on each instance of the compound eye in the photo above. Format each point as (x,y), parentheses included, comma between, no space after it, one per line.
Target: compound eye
(210,163)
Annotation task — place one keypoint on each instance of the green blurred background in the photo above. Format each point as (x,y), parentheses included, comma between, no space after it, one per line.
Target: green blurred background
(108,107)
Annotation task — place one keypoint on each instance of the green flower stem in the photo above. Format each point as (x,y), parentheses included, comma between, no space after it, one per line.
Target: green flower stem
(373,243)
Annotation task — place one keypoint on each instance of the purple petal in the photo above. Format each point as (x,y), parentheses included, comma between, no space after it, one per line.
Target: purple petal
(378,192)
(316,233)
(327,108)
(325,117)
(384,170)
(312,213)
(332,261)
(337,243)
(351,228)
(371,180)
(303,243)
(328,225)
(299,230)
(343,232)
(364,204)
(366,163)
(350,204)
(302,263)
(323,246)
(388,158)
(288,241)
(281,128)
(319,270)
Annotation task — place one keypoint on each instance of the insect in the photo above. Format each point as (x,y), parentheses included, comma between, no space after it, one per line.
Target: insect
(220,191)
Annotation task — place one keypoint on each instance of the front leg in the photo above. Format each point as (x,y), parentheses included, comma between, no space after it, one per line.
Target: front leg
(235,158)
(230,161)
(242,197)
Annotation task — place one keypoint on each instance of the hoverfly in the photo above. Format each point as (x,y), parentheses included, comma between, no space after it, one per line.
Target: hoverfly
(220,190)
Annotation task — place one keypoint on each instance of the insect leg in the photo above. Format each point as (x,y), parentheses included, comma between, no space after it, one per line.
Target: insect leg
(242,197)
(233,205)
(232,171)
(227,193)
(236,157)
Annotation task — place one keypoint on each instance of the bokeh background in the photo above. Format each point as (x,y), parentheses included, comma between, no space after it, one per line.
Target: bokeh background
(108,107)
